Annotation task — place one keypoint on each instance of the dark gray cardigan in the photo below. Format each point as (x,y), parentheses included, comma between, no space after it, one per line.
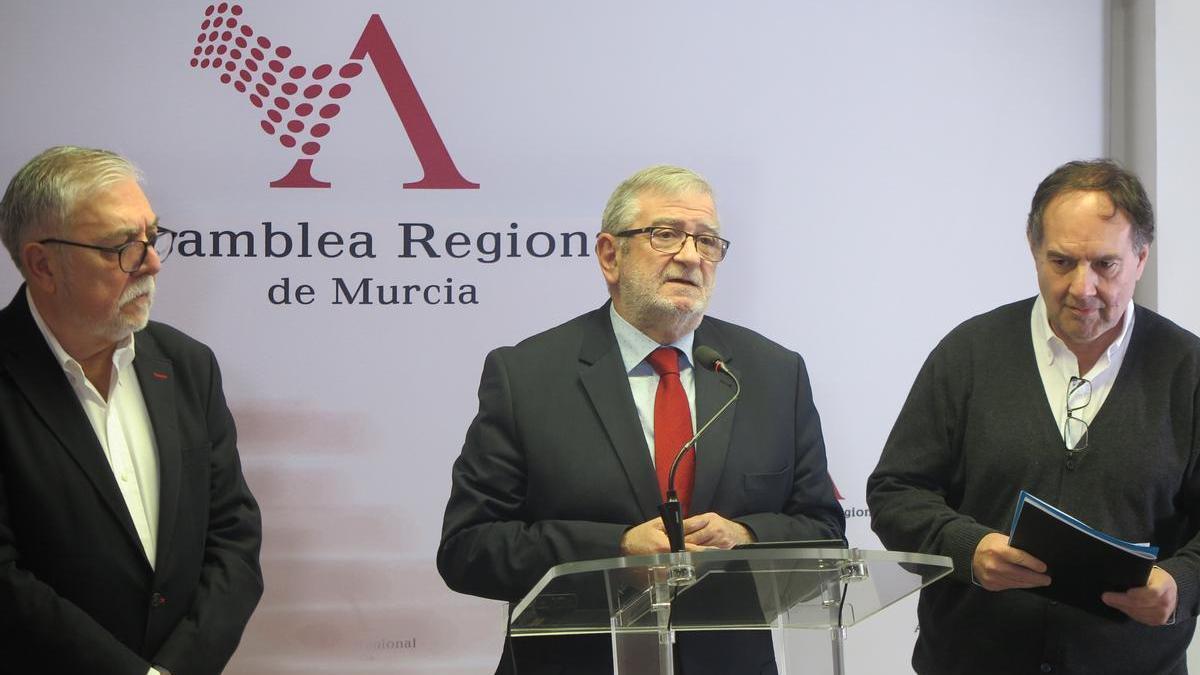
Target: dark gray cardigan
(976,429)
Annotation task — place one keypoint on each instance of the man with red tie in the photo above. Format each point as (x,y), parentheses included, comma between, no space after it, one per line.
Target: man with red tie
(567,457)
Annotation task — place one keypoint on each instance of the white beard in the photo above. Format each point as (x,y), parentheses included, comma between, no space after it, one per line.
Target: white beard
(121,325)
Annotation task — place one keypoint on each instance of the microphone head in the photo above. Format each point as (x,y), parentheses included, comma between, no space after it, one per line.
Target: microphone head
(707,357)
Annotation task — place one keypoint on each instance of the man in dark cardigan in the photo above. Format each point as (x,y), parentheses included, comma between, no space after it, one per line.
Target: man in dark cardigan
(1080,397)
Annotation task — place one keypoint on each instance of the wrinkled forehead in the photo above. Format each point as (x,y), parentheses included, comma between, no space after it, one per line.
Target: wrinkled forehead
(1096,200)
(121,207)
(1089,221)
(693,207)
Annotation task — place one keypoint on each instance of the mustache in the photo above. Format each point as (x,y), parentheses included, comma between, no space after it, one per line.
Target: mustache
(692,278)
(140,287)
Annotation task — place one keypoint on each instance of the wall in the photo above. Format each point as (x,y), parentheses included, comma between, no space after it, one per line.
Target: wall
(873,164)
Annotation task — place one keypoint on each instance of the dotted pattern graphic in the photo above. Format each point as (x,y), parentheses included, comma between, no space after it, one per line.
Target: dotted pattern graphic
(297,103)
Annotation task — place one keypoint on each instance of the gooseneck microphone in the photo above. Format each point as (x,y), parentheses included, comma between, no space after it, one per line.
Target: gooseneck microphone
(670,510)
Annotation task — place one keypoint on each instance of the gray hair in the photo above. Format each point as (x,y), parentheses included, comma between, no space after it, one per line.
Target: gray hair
(622,207)
(43,193)
(1097,175)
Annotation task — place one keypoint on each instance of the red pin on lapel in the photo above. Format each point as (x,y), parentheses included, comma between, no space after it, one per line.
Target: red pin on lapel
(159,376)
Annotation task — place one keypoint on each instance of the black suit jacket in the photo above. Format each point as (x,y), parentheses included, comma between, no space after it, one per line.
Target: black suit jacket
(77,593)
(555,466)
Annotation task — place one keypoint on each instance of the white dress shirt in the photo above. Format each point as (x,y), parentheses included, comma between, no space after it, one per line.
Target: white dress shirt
(1057,365)
(122,426)
(635,346)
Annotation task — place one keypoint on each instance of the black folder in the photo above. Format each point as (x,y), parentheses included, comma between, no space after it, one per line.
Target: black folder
(1082,562)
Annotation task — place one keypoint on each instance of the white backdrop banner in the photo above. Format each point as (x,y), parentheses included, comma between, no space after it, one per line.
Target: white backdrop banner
(373,194)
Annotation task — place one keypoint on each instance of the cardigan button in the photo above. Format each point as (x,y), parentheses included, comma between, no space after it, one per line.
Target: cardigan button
(1046,668)
(157,600)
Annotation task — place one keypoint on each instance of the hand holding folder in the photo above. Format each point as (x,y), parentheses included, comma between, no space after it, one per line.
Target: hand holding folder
(1082,562)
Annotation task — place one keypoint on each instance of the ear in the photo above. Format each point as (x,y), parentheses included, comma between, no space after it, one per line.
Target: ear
(1034,250)
(1142,256)
(607,255)
(40,271)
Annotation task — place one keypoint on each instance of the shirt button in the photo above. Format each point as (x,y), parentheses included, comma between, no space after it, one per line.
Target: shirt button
(124,478)
(1046,668)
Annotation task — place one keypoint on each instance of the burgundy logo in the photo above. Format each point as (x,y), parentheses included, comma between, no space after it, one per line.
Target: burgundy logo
(300,103)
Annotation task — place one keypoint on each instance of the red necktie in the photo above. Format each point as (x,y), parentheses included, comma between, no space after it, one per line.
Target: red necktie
(672,426)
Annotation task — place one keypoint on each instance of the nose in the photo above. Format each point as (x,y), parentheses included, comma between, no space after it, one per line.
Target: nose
(151,264)
(689,254)
(1083,281)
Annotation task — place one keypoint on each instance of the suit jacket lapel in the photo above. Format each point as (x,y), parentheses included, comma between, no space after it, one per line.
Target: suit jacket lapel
(41,380)
(603,375)
(156,377)
(712,391)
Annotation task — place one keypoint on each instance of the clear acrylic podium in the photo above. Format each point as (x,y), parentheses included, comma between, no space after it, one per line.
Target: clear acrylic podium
(799,594)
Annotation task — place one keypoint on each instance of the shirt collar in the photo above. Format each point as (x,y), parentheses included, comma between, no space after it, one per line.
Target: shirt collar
(122,357)
(635,345)
(1048,347)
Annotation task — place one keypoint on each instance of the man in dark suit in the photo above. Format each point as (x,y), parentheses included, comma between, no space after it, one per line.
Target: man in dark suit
(129,540)
(560,463)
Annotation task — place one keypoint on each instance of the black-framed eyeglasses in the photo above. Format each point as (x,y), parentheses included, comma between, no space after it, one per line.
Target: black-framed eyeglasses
(670,240)
(1075,430)
(131,255)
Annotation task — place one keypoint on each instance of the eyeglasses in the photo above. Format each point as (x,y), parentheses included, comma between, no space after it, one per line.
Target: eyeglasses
(670,240)
(1075,430)
(131,255)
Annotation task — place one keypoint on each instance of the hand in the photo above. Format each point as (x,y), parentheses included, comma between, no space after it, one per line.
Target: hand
(998,566)
(710,530)
(1152,604)
(651,536)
